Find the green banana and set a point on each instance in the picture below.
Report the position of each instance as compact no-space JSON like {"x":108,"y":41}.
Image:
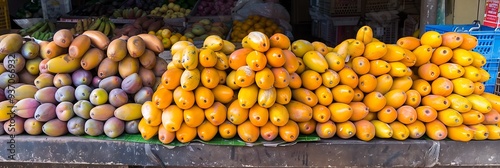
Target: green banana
{"x":96,"y":24}
{"x":107,"y":28}
{"x":35,"y":35}
{"x":101,"y":26}
{"x":52,"y":27}
{"x":79,"y":27}
{"x":73,"y":31}
{"x":85,"y":24}
{"x":35,"y":27}
{"x":113,"y":27}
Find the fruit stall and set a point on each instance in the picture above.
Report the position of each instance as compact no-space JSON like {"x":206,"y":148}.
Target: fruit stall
{"x":212,"y":83}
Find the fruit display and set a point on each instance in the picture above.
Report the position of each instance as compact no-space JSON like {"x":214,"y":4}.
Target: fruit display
{"x":42,"y":30}
{"x":168,"y":38}
{"x":361,"y":88}
{"x":143,"y":24}
{"x":205,"y":27}
{"x":129,"y":13}
{"x":102,"y":24}
{"x":170,"y":11}
{"x":80,"y":85}
{"x":254,"y":23}
{"x":214,"y":7}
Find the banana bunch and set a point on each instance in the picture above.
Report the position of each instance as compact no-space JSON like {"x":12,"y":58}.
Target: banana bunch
{"x":102,"y":24}
{"x":129,"y":13}
{"x":39,"y":30}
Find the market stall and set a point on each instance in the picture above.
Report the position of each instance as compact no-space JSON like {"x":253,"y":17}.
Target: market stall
{"x":189,"y":83}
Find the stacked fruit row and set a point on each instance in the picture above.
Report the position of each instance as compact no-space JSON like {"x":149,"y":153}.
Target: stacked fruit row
{"x":42,"y":30}
{"x":102,"y":24}
{"x":79,"y":85}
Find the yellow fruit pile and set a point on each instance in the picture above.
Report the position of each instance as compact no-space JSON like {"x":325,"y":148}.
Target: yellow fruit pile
{"x":168,"y":38}
{"x":254,"y":23}
{"x":361,"y":88}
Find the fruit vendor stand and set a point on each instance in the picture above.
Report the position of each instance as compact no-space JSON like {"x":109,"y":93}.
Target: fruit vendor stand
{"x":147,"y":86}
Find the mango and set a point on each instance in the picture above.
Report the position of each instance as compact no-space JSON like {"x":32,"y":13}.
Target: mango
{"x":98,"y":96}
{"x":148,"y":59}
{"x":45,"y":112}
{"x":118,"y":97}
{"x":95,"y":81}
{"x":11,"y":43}
{"x":289,"y":132}
{"x":128,"y":66}
{"x":136,"y":46}
{"x":207,"y":131}
{"x":2,"y":95}
{"x":14,"y":62}
{"x":110,"y":83}
{"x":248,"y":132}
{"x":147,"y":76}
{"x":44,"y":80}
{"x":114,"y":127}
{"x":480,"y":103}
{"x":62,"y":79}
{"x":76,"y":126}
{"x":164,"y":136}
{"x":82,"y":108}
{"x":24,"y":91}
{"x":185,"y":133}
{"x":42,"y":67}
{"x":147,"y":131}
{"x":55,"y":128}
{"x":46,"y":95}
{"x":33,"y":66}
{"x":131,"y":127}
{"x":26,"y":77}
{"x":14,"y":126}
{"x":315,"y":61}
{"x":117,"y":50}
{"x":102,"y":112}
{"x":160,"y":67}
{"x":8,"y":78}
{"x":30,"y":49}
{"x":82,"y":92}
{"x":106,"y":68}
{"x":64,"y":111}
{"x":70,"y":64}
{"x":65,"y":93}
{"x":26,"y":108}
{"x":143,"y":95}
{"x":92,"y":58}
{"x":94,"y":127}
{"x":128,"y":112}
{"x":33,"y":127}
{"x":132,"y":83}
{"x":81,"y":77}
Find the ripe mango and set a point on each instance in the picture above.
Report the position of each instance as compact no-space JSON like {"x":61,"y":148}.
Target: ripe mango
{"x":98,"y":96}
{"x":128,"y":66}
{"x":160,"y":67}
{"x":207,"y":131}
{"x":248,"y":132}
{"x":289,"y":132}
{"x":128,"y":112}
{"x":382,"y":130}
{"x":151,"y":113}
{"x":147,"y":132}
{"x":82,"y":108}
{"x":164,"y":136}
{"x":30,"y":50}
{"x":62,"y":79}
{"x":33,"y":66}
{"x":117,"y":50}
{"x":8,"y":78}
{"x":33,"y":127}
{"x":114,"y":127}
{"x":118,"y":97}
{"x":76,"y":126}
{"x":315,"y":61}
{"x":65,"y":93}
{"x":70,"y":64}
{"x":172,"y":118}
{"x":14,"y":126}
{"x":82,"y":92}
{"x":14,"y":62}
{"x":55,"y":128}
{"x":64,"y":111}
{"x":102,"y":112}
{"x":107,"y":68}
{"x":46,"y":95}
{"x":110,"y":83}
{"x":148,"y":59}
{"x":81,"y":77}
{"x":94,"y":127}
{"x":480,"y":103}
{"x":45,"y":112}
{"x":92,"y":58}
{"x":132,"y":83}
{"x":24,"y":91}
{"x":44,"y":80}
{"x":147,"y":76}
{"x":26,"y":108}
{"x":131,"y":127}
{"x":11,"y":43}
{"x":143,"y":95}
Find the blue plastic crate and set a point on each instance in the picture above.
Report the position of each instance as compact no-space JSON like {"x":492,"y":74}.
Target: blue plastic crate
{"x":488,"y":45}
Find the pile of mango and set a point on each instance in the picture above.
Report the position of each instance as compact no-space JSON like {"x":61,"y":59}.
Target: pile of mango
{"x":360,"y":88}
{"x":83,"y":85}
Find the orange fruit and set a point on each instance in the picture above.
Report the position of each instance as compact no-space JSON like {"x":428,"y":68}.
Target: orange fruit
{"x":275,"y":57}
{"x":473,"y":117}
{"x":429,"y":71}
{"x":360,"y":65}
{"x":279,"y":40}
{"x":325,"y":95}
{"x":462,"y":57}
{"x":431,"y":38}
{"x":478,"y":88}
{"x":365,"y":130}
{"x":485,"y":76}
{"x":305,"y":96}
{"x":321,"y":47}
{"x":481,"y":132}
{"x":360,"y":110}
{"x":398,"y":69}
{"x":231,"y":80}
{"x":367,"y":83}
{"x":326,"y":130}
{"x":266,"y":97}
{"x":413,"y":98}
{"x":300,"y":47}
{"x":472,"y":73}
{"x":321,"y":113}
{"x":222,"y":61}
{"x":222,"y":76}
{"x":194,"y":116}
{"x":342,"y":93}
{"x":258,"y":115}
{"x":302,"y":67}
{"x":422,"y":87}
{"x":207,"y":131}
{"x":370,"y":117}
{"x":312,"y":80}
{"x":358,"y":95}
{"x":410,"y":58}
{"x":292,"y":63}
{"x":459,"y":103}
{"x":341,"y":112}
{"x":330,"y":78}
{"x":171,"y":78}
{"x":494,"y":132}
{"x":335,"y":61}
{"x":426,"y":113}
{"x":407,"y":114}
{"x":435,"y":101}
{"x":248,"y":132}
{"x":384,"y":83}
{"x":216,"y":114}
{"x":281,"y":76}
{"x":183,"y":98}
{"x":268,"y":132}
{"x":256,"y":60}
{"x":441,"y":55}
{"x":375,"y":50}
{"x":162,"y":98}
{"x":356,"y":48}
{"x":289,"y":132}
{"x":395,"y":98}
{"x":244,"y":76}
{"x":204,"y":97}
{"x":346,"y":130}
{"x":298,"y":111}
{"x":248,"y":96}
{"x":403,"y":83}
{"x":238,"y":58}
{"x":450,"y":117}
{"x":417,"y":129}
{"x":463,"y":86}
{"x":451,"y":70}
{"x":479,"y":59}
{"x":400,"y":131}
{"x":307,"y":127}
{"x":423,"y":54}
{"x":436,"y":130}
{"x":452,"y":39}
{"x":379,"y":67}
{"x":264,"y":78}
{"x":207,"y":57}
{"x":295,"y":80}
{"x":394,"y":53}
{"x":442,"y":86}
{"x":492,"y":117}
{"x":258,"y":41}
{"x":469,"y":42}
{"x":283,"y":95}
{"x":460,"y":133}
{"x":408,"y":42}
{"x":388,"y":114}
{"x":185,"y":134}
{"x":210,"y":77}
{"x":348,"y":77}
{"x":236,"y":114}
{"x":375,"y":101}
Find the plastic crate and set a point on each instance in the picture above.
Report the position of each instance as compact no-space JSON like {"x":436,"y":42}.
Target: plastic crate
{"x":488,"y":45}
{"x":342,"y":7}
{"x":4,"y":17}
{"x":388,"y":32}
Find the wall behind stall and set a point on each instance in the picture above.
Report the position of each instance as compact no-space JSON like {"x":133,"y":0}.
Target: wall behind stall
{"x":465,"y":11}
